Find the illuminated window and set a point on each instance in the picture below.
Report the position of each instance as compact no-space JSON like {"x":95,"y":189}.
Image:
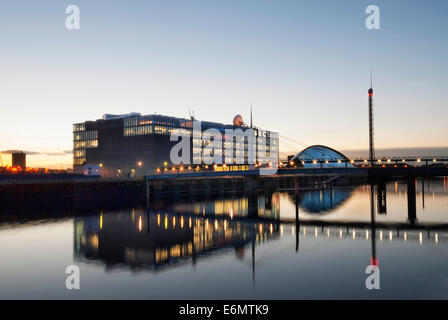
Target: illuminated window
{"x":81,"y":141}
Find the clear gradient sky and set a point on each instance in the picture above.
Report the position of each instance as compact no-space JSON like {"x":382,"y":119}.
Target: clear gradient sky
{"x":304,"y":65}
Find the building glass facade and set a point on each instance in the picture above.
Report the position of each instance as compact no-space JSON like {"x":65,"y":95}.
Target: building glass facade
{"x":82,"y":140}
{"x":322,"y":156}
{"x":136,"y":144}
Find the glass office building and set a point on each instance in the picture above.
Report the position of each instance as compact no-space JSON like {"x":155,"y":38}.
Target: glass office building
{"x":134,"y":144}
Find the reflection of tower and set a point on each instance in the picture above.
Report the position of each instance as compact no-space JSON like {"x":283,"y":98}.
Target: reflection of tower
{"x":331,"y":198}
{"x":382,"y":208}
{"x":423,"y":192}
{"x":296,"y":198}
{"x":253,"y":262}
{"x":252,"y":205}
{"x":374,"y":260}
{"x":412,"y":207}
{"x":268,"y":201}
{"x":371,"y":147}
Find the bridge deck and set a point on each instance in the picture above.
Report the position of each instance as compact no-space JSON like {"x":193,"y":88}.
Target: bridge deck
{"x":298,"y":172}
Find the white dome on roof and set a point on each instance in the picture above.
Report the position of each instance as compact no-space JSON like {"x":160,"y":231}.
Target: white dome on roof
{"x":238,"y":120}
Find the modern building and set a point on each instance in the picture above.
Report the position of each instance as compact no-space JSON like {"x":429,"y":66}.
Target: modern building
{"x":19,"y":160}
{"x":134,"y":145}
{"x":321,"y":156}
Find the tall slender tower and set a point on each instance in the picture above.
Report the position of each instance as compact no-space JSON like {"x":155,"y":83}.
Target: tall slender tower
{"x":371,"y":146}
{"x":251,"y":124}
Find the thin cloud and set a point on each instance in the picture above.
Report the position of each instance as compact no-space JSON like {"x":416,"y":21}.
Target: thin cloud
{"x":63,"y":153}
{"x":31,"y":153}
{"x":18,"y":151}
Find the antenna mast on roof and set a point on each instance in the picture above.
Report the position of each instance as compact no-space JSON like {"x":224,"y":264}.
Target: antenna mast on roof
{"x":191,"y":112}
{"x":251,"y":124}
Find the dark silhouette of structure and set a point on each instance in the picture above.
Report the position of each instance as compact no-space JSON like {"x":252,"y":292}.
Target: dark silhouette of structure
{"x":19,"y":160}
{"x":411,"y":197}
{"x":373,"y":259}
{"x":371,"y":146}
{"x":381,"y":197}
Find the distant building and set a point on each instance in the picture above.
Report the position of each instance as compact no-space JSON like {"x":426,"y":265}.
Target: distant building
{"x":134,"y":145}
{"x":321,"y":156}
{"x":19,"y":160}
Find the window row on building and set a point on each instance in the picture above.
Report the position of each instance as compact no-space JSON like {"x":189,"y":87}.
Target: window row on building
{"x":154,"y":129}
{"x":169,"y":122}
{"x":81,"y":141}
{"x":165,"y":130}
{"x":85,"y":135}
{"x":79,"y":127}
{"x":85,"y":144}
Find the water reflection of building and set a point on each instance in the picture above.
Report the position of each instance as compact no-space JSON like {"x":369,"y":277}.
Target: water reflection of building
{"x":321,"y":201}
{"x":258,"y":205}
{"x":139,"y":239}
{"x":393,"y":230}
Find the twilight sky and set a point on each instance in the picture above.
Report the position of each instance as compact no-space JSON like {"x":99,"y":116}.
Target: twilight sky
{"x":304,"y":65}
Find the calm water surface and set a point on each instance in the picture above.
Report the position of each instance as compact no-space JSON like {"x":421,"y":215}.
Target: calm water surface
{"x":239,"y":247}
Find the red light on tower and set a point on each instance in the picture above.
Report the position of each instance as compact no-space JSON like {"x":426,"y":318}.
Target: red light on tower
{"x":370,"y":92}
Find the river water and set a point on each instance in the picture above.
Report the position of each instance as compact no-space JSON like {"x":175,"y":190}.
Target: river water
{"x":238,"y":247}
